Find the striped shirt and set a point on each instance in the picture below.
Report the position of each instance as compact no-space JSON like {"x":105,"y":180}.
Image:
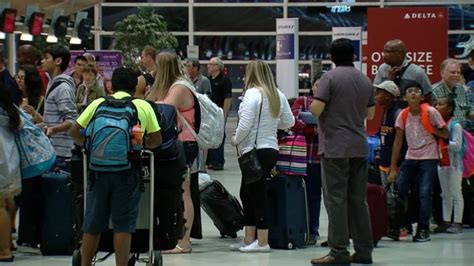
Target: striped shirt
{"x":59,"y":107}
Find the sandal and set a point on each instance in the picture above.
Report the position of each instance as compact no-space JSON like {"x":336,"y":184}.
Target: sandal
{"x":178,"y":250}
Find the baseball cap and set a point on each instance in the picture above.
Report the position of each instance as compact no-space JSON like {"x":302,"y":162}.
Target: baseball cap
{"x":389,"y":86}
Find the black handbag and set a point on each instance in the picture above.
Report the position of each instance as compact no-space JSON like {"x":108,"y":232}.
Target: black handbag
{"x":248,"y":162}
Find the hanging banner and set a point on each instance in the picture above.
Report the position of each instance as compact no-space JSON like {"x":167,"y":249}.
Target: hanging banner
{"x":355,"y":35}
{"x":286,"y":56}
{"x":423,"y":29}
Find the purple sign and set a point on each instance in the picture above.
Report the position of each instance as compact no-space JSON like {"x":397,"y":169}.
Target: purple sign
{"x":285,"y":46}
{"x":106,"y":62}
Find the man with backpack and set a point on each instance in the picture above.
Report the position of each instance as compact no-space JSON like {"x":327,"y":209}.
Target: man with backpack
{"x":146,"y":80}
{"x":421,"y":125}
{"x":59,"y":107}
{"x":109,"y":127}
{"x":399,"y":69}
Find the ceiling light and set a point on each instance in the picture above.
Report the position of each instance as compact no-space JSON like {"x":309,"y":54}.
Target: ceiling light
{"x":51,"y":39}
{"x":26,"y":37}
{"x":75,"y":40}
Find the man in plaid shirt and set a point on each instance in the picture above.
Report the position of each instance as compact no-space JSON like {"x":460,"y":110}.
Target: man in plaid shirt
{"x":450,"y":85}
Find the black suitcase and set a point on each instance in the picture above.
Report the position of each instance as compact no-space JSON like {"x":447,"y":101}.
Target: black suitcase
{"x":29,"y":226}
{"x":57,"y":237}
{"x":288,"y":212}
{"x":224,"y":209}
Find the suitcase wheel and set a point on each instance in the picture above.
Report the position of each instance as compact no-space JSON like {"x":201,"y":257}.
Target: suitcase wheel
{"x":158,"y":259}
{"x":76,"y":257}
{"x":290,"y":245}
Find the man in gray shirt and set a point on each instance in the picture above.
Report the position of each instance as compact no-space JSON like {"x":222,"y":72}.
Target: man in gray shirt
{"x":344,"y":99}
{"x":201,"y":83}
{"x":401,"y":71}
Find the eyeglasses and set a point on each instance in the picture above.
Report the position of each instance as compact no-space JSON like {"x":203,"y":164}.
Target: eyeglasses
{"x":20,"y":77}
{"x":415,"y":91}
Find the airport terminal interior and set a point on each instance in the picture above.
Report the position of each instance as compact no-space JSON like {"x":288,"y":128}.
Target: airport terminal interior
{"x":239,"y":31}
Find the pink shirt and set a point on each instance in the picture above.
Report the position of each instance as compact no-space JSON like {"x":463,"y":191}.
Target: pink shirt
{"x":188,"y":114}
{"x":421,"y":144}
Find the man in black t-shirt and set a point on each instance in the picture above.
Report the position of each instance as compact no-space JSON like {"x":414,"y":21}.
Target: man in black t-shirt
{"x":221,"y":94}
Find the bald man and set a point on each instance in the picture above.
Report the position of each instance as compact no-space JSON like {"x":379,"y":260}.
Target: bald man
{"x":398,"y":69}
{"x":29,"y":55}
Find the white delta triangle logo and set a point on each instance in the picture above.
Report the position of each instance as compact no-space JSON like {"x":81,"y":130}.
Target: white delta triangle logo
{"x":419,"y":15}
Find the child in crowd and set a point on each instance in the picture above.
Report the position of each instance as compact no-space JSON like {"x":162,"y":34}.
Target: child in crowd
{"x":313,"y":170}
{"x":385,"y":94}
{"x":90,"y":89}
{"x":450,"y":176}
{"x":421,"y":124}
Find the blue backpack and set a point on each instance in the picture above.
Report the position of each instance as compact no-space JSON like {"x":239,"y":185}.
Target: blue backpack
{"x":109,"y":135}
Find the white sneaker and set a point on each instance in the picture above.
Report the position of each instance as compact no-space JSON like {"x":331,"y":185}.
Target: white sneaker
{"x":236,"y":246}
{"x":255,"y":247}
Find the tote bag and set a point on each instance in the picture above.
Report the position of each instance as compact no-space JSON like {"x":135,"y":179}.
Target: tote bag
{"x":292,"y":158}
{"x":37,"y":154}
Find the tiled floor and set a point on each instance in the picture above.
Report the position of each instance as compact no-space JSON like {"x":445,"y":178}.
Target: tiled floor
{"x":444,"y":249}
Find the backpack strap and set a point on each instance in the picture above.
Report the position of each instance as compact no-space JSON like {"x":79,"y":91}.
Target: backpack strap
{"x":52,"y":88}
{"x":425,"y":118}
{"x":197,"y":108}
{"x":149,"y":79}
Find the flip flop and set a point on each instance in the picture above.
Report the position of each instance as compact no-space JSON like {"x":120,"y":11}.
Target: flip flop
{"x":178,"y":250}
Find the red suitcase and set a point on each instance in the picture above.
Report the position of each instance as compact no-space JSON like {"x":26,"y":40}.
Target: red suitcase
{"x":376,"y":199}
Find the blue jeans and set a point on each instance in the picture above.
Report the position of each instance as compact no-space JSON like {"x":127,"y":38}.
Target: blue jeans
{"x":420,"y":173}
{"x":313,"y":193}
{"x":216,"y":156}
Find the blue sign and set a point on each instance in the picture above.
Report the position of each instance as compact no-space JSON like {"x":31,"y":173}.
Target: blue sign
{"x":285,"y":46}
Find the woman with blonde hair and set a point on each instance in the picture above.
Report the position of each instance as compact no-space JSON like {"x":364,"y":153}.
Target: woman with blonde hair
{"x":263,"y":110}
{"x":172,"y":87}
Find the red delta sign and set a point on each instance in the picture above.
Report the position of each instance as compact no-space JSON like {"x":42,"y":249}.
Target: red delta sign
{"x":424,"y":31}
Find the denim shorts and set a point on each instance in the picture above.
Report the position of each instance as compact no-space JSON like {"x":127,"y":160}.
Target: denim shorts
{"x":112,"y":195}
{"x":191,"y":151}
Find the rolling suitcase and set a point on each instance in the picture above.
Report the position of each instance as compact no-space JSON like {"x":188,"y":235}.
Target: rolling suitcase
{"x":376,"y":199}
{"x":57,"y":236}
{"x":224,"y":209}
{"x":289,"y":226}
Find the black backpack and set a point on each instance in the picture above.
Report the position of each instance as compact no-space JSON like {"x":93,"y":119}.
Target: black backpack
{"x":166,"y":116}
